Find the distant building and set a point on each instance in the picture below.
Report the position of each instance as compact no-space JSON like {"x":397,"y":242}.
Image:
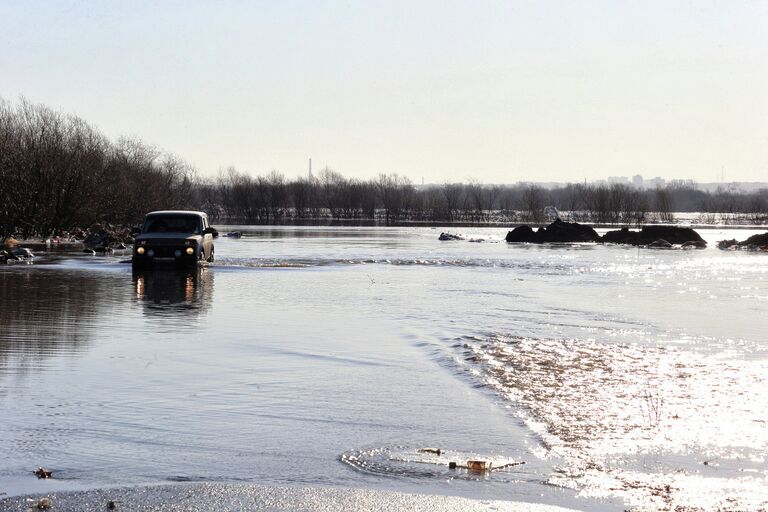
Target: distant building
{"x":655,"y":183}
{"x":637,"y":181}
{"x":622,"y":180}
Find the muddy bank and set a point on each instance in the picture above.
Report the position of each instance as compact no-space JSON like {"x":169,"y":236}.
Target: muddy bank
{"x":228,"y":497}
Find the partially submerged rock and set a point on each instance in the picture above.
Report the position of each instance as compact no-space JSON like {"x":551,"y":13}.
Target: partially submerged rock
{"x":569,"y":232}
{"x":660,"y":244}
{"x":41,"y":472}
{"x":754,"y":243}
{"x":520,"y":234}
{"x":557,"y":232}
{"x":234,"y":234}
{"x":674,"y":235}
{"x":450,"y":236}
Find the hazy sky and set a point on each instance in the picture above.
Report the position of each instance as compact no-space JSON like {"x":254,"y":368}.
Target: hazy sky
{"x":499,"y":91}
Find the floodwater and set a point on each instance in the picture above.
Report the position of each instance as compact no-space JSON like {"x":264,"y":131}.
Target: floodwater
{"x":594,"y":377}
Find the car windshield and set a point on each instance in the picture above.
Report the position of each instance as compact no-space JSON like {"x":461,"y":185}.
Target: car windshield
{"x":173,"y":224}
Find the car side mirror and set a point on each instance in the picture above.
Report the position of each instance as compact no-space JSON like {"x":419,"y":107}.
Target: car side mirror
{"x":211,"y":231}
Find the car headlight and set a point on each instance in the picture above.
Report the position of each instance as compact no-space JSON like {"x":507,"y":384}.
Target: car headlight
{"x":190,"y":250}
{"x":139,"y":250}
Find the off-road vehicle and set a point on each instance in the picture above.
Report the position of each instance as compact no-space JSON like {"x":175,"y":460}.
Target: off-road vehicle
{"x":176,"y":237}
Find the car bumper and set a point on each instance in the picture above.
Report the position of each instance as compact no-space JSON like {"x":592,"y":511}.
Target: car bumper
{"x":183,"y":260}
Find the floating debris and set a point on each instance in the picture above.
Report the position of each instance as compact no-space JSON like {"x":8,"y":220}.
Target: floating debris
{"x":424,"y":462}
{"x":41,"y":472}
{"x":112,"y":505}
{"x":479,"y":465}
{"x":43,"y":504}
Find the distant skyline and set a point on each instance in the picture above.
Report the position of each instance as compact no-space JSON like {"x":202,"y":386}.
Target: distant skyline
{"x":440,"y":90}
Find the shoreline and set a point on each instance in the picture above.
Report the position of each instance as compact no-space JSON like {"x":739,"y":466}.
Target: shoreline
{"x":236,"y":497}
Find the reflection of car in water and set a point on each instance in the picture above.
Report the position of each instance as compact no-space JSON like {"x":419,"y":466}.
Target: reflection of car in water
{"x":174,"y":236}
{"x":189,"y":289}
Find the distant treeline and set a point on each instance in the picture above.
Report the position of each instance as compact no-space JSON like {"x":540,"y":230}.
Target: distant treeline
{"x":393,"y":199}
{"x":57,"y":173}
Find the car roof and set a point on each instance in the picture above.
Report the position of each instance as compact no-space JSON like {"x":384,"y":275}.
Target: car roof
{"x":177,"y":212}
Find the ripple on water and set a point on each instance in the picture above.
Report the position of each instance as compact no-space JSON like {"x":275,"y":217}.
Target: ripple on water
{"x":413,"y":462}
{"x":659,"y":427}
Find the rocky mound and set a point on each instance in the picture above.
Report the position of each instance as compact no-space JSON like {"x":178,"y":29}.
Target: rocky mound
{"x":557,"y":232}
{"x":755,"y":242}
{"x":648,"y":235}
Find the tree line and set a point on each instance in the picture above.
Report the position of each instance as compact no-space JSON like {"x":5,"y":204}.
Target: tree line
{"x":57,"y":173}
{"x":392,"y":199}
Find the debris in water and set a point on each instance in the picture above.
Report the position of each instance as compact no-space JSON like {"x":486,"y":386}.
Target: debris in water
{"x":112,"y":505}
{"x":43,"y":504}
{"x":41,"y":472}
{"x":479,"y":465}
{"x":436,"y":451}
{"x":451,"y":465}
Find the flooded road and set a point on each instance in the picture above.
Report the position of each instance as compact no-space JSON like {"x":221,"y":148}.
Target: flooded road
{"x":328,"y":356}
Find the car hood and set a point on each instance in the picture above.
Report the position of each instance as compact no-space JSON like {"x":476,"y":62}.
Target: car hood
{"x":167,"y":236}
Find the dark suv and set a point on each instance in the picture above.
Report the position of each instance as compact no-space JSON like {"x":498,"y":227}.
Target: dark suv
{"x":174,"y":236}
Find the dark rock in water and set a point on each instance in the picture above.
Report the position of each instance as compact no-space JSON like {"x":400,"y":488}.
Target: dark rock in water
{"x":520,"y":234}
{"x":448,"y":236}
{"x":103,"y":250}
{"x":725,"y":244}
{"x":558,"y":231}
{"x":41,"y":472}
{"x":234,"y":234}
{"x":5,"y":256}
{"x":477,"y":240}
{"x":755,"y":240}
{"x":660,"y":244}
{"x":753,"y":243}
{"x":675,"y":235}
{"x":622,"y":236}
{"x":694,"y":245}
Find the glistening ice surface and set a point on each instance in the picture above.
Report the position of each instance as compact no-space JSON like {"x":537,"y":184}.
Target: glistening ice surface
{"x":328,"y":356}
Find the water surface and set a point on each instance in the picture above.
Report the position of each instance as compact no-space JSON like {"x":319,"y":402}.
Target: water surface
{"x":328,"y":356}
